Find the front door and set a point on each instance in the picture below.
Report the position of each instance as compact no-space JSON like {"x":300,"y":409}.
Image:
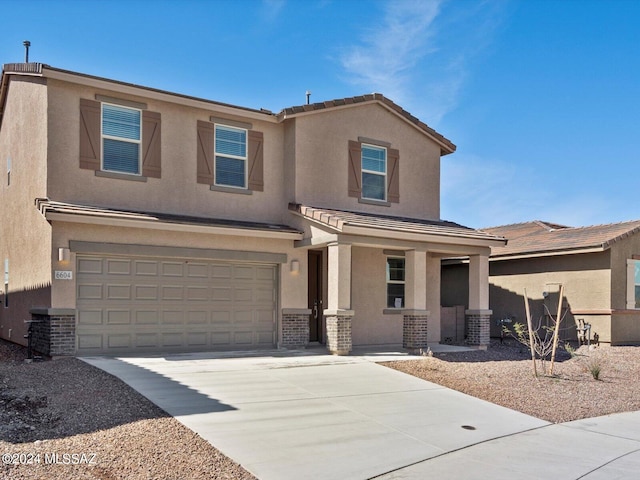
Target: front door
{"x":315,"y":296}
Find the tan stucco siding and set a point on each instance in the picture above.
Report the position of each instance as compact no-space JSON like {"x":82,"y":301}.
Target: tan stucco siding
{"x":25,"y":240}
{"x":177,"y":190}
{"x":621,"y":251}
{"x":586,"y":281}
{"x":321,"y":153}
{"x":370,"y":326}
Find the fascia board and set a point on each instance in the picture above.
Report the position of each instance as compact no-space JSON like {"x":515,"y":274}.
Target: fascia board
{"x":556,"y":253}
{"x":176,"y":227}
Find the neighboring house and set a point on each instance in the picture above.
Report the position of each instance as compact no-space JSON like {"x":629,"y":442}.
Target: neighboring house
{"x":137,"y":220}
{"x":599,"y":267}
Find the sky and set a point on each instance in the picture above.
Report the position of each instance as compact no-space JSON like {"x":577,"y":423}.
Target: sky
{"x":541,"y":97}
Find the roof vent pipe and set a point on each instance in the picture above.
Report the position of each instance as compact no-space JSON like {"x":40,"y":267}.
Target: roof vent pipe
{"x":308,"y":94}
{"x":26,"y":44}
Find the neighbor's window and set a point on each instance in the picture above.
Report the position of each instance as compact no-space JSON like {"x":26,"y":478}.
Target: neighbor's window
{"x":121,"y":133}
{"x":636,"y":282}
{"x":374,"y":172}
{"x":231,"y":157}
{"x":6,"y":283}
{"x":395,"y":282}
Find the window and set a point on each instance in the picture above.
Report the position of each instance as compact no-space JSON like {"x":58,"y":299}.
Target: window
{"x":395,"y":282}
{"x":230,"y":157}
{"x":121,"y":139}
{"x":374,"y":173}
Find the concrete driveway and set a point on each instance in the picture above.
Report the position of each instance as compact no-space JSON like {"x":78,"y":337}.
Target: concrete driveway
{"x":300,"y":415}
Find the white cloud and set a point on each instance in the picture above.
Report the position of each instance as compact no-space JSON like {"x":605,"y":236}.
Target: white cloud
{"x":418,"y":54}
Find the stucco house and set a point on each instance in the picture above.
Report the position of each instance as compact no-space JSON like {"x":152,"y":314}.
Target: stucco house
{"x":599,"y":267}
{"x":138,"y":220}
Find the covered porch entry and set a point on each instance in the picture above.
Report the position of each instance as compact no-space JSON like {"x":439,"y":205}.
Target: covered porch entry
{"x":375,"y":280}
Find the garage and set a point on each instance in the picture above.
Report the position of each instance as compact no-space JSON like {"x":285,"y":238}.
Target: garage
{"x":133,"y":304}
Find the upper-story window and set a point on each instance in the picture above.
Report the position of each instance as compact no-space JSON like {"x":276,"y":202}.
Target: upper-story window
{"x":374,"y":173}
{"x":121,"y":139}
{"x":230,"y":157}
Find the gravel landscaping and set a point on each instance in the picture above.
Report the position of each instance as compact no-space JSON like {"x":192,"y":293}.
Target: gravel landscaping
{"x":65,"y":419}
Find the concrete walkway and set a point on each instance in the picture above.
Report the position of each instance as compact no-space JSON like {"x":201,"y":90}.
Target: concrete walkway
{"x":292,"y":415}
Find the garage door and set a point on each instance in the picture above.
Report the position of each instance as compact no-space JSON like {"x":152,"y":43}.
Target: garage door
{"x":137,"y":305}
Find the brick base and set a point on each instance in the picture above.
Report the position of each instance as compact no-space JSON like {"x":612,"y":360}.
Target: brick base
{"x":479,"y":324}
{"x":295,"y":328}
{"x":339,"y":331}
{"x":53,"y":331}
{"x":414,"y":329}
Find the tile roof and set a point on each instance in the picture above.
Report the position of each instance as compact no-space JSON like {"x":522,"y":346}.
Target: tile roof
{"x":47,"y":206}
{"x":449,"y":147}
{"x":541,"y":238}
{"x":340,"y":219}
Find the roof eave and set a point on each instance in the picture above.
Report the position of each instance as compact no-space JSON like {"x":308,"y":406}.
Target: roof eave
{"x":550,"y":253}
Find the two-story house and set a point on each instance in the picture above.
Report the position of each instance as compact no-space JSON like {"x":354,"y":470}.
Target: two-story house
{"x":139,"y":220}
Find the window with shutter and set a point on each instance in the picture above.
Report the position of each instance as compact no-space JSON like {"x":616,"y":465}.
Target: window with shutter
{"x":230,"y":157}
{"x":121,"y":138}
{"x":373,"y":171}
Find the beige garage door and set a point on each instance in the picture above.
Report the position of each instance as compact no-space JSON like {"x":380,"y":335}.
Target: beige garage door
{"x":137,"y":305}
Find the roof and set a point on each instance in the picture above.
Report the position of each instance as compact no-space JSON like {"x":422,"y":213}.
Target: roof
{"x":41,"y":69}
{"x":537,"y":238}
{"x":446,"y":145}
{"x":53,"y":210}
{"x":349,"y":222}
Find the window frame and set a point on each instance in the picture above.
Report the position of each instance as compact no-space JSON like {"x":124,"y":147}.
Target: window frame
{"x":389,"y":281}
{"x":363,"y":146}
{"x":244,"y":158}
{"x":103,"y":136}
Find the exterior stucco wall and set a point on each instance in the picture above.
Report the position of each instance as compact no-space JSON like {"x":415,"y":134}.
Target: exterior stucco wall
{"x":370,"y":326}
{"x":177,"y":190}
{"x":625,"y":326}
{"x":25,"y":239}
{"x":321,"y":152}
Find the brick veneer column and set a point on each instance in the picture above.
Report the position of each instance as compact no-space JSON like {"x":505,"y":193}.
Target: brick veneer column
{"x":414,"y":329}
{"x":295,"y":327}
{"x":53,"y":331}
{"x":479,"y":323}
{"x":339,"y":331}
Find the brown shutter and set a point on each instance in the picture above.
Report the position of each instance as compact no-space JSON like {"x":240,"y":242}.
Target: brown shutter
{"x":355,"y":169}
{"x":90,"y":134}
{"x":393,"y":175}
{"x":256,"y":161}
{"x":151,"y":144}
{"x":206,"y":135}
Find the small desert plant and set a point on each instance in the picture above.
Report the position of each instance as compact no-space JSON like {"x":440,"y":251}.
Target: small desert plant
{"x":570,"y":350}
{"x":595,"y":368}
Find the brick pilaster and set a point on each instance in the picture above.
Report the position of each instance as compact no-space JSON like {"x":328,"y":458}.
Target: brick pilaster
{"x":53,"y":331}
{"x":414,"y":329}
{"x":295,"y":328}
{"x":479,"y":324}
{"x":339,"y":331}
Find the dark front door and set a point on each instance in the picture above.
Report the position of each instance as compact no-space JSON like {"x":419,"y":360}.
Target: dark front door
{"x":315,"y":296}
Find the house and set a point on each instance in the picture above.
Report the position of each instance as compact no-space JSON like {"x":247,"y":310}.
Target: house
{"x":598,"y":266}
{"x":137,"y":220}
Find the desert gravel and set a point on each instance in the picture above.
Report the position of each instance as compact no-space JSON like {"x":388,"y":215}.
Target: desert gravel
{"x":51,"y":410}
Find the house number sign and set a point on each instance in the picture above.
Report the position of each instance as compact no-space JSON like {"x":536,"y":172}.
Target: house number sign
{"x":63,"y":275}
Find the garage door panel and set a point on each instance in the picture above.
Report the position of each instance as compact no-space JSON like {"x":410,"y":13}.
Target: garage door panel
{"x":128,"y":304}
{"x":89,"y":317}
{"x":146,"y":268}
{"x":118,"y":292}
{"x":118,"y":317}
{"x":147,"y":317}
{"x":118,"y":267}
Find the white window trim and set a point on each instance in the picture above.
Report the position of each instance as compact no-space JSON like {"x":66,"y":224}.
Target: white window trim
{"x":119,"y":139}
{"x":631,"y":284}
{"x":372,"y":172}
{"x":394,"y":282}
{"x":226,"y":155}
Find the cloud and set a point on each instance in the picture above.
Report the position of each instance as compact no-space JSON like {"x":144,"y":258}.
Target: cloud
{"x":384,"y":59}
{"x":272,"y":8}
{"x":418,"y":53}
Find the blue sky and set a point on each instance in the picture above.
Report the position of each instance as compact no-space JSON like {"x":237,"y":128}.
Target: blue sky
{"x":541,"y":97}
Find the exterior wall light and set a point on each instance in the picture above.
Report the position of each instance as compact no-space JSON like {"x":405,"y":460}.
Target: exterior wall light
{"x":64,"y":254}
{"x":295,"y":267}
